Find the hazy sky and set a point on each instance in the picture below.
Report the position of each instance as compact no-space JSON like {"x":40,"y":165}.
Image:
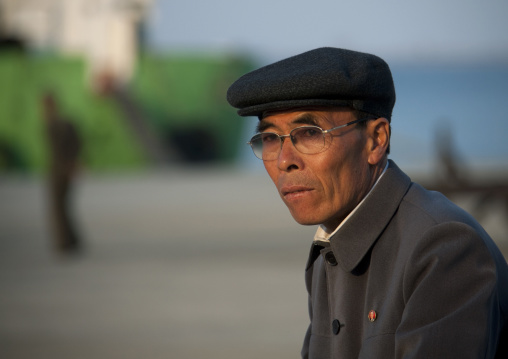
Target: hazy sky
{"x":398,"y":31}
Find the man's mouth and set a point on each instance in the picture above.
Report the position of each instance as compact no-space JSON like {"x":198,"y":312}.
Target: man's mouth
{"x":294,"y":192}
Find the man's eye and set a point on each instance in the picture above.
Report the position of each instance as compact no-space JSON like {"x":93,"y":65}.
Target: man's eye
{"x":309,"y":132}
{"x":267,"y":138}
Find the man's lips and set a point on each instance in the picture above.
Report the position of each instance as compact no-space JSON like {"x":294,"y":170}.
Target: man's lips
{"x":294,"y":191}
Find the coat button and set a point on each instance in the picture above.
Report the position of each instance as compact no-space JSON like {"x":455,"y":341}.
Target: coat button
{"x":330,"y":259}
{"x":336,"y":326}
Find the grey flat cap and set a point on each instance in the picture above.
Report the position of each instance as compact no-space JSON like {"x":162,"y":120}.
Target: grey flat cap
{"x":328,"y":77}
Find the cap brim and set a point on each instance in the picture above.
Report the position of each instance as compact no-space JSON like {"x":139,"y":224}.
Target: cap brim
{"x":259,"y":110}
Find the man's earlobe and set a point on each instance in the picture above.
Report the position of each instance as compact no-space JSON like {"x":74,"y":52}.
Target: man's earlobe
{"x":379,"y":130}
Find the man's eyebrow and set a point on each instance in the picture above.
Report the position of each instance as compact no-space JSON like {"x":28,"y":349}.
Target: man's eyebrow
{"x":263,"y":125}
{"x":304,"y":119}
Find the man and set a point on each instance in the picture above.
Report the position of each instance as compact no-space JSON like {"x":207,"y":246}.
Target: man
{"x":395,"y":271}
{"x":64,"y":147}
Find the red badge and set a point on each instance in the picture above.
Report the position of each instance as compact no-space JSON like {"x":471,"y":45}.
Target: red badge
{"x":372,"y":315}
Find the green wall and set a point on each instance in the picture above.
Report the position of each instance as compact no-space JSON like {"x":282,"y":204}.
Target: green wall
{"x":177,"y":94}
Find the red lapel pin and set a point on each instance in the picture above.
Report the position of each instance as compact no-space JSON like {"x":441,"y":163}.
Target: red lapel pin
{"x":372,"y":315}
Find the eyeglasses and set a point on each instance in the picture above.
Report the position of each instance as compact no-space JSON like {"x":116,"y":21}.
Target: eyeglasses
{"x":306,"y":139}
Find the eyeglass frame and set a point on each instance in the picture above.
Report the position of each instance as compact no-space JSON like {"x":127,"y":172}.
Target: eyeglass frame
{"x":323,"y":132}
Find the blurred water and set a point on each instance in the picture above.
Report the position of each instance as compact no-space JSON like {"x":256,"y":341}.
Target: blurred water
{"x":471,"y":101}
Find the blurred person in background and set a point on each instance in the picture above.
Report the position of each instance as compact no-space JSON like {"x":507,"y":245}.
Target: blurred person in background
{"x":64,"y":147}
{"x":394,"y":270}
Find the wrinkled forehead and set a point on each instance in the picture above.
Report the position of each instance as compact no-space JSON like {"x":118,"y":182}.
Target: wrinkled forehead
{"x":304,"y":116}
{"x":269,"y":113}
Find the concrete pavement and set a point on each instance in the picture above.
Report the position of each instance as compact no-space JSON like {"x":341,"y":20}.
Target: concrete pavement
{"x":177,"y":264}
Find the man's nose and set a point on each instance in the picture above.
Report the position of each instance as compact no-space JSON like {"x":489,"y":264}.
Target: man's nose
{"x":289,"y":158}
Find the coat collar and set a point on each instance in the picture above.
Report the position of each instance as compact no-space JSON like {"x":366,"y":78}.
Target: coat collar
{"x":353,"y":241}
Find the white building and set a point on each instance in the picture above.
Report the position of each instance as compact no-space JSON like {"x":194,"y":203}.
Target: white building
{"x":104,"y":32}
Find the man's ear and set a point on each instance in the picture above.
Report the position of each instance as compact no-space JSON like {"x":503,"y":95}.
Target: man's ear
{"x":379,"y":139}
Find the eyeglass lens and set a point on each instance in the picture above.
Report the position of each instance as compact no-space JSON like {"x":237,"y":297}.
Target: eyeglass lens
{"x":307,"y":139}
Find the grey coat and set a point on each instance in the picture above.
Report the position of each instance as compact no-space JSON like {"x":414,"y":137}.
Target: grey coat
{"x":432,"y":277}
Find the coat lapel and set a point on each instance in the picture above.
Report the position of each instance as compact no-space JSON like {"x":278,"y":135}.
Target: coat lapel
{"x":354,"y":240}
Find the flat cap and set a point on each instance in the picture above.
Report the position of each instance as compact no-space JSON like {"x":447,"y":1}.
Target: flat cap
{"x":328,"y":77}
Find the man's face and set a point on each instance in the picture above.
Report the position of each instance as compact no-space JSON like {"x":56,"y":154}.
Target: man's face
{"x":321,"y":188}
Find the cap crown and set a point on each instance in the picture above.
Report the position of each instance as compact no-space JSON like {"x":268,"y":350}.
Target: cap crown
{"x":322,"y":77}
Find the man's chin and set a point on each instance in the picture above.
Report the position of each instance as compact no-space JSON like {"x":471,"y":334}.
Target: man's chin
{"x":305,"y":220}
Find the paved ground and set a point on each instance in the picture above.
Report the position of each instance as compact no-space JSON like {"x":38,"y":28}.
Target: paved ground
{"x":178,"y":264}
{"x":204,"y":264}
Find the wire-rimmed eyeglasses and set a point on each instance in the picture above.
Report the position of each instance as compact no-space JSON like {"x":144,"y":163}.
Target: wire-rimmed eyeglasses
{"x":306,"y":139}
